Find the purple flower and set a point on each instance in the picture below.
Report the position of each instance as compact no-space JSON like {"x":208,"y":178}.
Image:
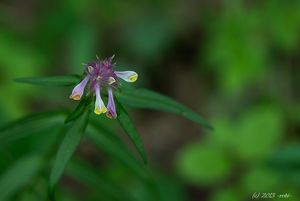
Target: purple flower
{"x":111,"y":108}
{"x":100,"y":75}
{"x":79,"y":89}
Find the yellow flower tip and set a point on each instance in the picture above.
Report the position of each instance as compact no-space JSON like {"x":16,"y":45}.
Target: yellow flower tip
{"x":99,"y":110}
{"x":75,"y":97}
{"x":133,"y":78}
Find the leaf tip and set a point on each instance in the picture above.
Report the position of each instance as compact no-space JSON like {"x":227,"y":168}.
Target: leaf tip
{"x":210,"y":127}
{"x":18,"y":79}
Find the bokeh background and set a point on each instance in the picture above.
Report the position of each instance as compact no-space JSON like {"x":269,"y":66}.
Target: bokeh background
{"x":234,"y":62}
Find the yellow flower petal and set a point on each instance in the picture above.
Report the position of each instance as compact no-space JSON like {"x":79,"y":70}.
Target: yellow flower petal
{"x":100,"y":110}
{"x":133,"y":78}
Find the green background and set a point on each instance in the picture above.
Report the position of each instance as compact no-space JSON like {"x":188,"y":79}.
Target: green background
{"x":234,"y":62}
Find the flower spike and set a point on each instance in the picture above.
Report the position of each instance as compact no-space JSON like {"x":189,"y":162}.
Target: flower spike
{"x":100,"y":74}
{"x":99,"y":105}
{"x":128,"y":76}
{"x":79,"y":89}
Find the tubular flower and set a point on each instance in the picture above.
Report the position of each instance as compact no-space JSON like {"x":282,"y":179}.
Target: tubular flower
{"x":111,"y":108}
{"x":99,"y":105}
{"x":100,"y":75}
{"x":79,"y":89}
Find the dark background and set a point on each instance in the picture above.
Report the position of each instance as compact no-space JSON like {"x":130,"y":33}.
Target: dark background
{"x":234,"y":62}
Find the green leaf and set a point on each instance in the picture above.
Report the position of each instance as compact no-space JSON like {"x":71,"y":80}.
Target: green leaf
{"x":78,"y":110}
{"x":19,"y":175}
{"x":104,"y":141}
{"x":203,"y":164}
{"x":67,"y":80}
{"x":260,"y":179}
{"x":142,"y":98}
{"x":286,"y":162}
{"x":29,"y":125}
{"x":130,"y":130}
{"x":106,"y":130}
{"x":228,"y":193}
{"x":67,"y":148}
{"x":266,"y":118}
{"x":93,"y":178}
{"x":287,"y":158}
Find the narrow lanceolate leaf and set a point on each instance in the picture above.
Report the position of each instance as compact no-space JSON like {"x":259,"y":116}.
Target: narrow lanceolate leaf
{"x":29,"y":125}
{"x":78,"y":110}
{"x":67,"y":80}
{"x":130,"y":130}
{"x":142,"y":98}
{"x":67,"y":148}
{"x":107,"y":143}
{"x":89,"y":176}
{"x":19,"y":175}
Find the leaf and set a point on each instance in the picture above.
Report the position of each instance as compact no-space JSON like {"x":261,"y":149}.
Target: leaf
{"x":19,"y":175}
{"x":106,"y":130}
{"x":286,"y":162}
{"x":228,"y":193}
{"x":91,"y":177}
{"x":266,"y":118}
{"x":260,"y":179}
{"x":78,"y":110}
{"x":67,"y":80}
{"x":130,"y":130}
{"x":287,"y":158}
{"x":203,"y":164}
{"x":67,"y":148}
{"x":29,"y":125}
{"x":143,"y":98}
{"x":107,"y":144}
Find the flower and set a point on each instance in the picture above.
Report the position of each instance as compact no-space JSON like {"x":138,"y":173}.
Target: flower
{"x":79,"y":89}
{"x":111,"y":108}
{"x":99,"y":104}
{"x":100,"y":75}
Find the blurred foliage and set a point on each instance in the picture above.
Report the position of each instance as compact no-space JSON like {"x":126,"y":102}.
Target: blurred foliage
{"x":244,"y":58}
{"x":204,"y":164}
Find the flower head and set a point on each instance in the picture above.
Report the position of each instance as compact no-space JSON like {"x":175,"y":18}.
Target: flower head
{"x":100,"y":75}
